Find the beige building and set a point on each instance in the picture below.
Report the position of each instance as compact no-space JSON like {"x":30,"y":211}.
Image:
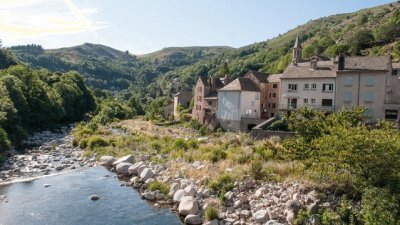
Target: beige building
{"x":271,"y":105}
{"x":308,"y":84}
{"x":371,"y":82}
{"x":269,"y":92}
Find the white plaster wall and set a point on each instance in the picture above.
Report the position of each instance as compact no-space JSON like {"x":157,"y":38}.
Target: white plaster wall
{"x":228,"y":105}
{"x":249,"y":104}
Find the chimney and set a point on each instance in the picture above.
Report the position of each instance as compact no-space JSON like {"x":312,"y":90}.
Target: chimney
{"x":314,"y":63}
{"x":341,"y":62}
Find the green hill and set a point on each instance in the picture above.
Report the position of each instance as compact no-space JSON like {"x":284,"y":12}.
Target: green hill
{"x":373,"y":31}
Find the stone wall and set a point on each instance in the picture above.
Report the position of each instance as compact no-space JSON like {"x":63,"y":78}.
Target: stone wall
{"x":264,"y":134}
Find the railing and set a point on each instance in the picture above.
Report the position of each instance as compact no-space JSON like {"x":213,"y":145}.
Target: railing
{"x":392,"y":101}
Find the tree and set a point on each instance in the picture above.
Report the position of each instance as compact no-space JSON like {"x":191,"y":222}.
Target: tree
{"x":224,"y":69}
{"x":390,"y":30}
{"x":360,"y":40}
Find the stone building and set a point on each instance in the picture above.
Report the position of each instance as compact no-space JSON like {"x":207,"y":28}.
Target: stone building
{"x":182,"y":98}
{"x":206,"y":100}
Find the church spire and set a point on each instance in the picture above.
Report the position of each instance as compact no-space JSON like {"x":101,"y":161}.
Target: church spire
{"x":297,"y":51}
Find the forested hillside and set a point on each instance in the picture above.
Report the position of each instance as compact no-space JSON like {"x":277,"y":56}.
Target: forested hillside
{"x":111,"y":69}
{"x":374,"y":31}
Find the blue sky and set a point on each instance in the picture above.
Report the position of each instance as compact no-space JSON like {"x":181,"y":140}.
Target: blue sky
{"x":149,"y":25}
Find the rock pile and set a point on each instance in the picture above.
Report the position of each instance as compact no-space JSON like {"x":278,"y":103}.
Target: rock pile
{"x":249,"y":202}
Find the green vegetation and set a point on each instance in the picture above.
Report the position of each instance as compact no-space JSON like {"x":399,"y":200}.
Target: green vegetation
{"x":211,"y":213}
{"x":38,"y":99}
{"x":222,"y":185}
{"x":157,"y":185}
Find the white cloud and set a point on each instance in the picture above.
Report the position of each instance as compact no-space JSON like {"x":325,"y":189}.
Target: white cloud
{"x":26,"y":19}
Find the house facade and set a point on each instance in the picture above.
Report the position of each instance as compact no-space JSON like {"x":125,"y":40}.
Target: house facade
{"x":239,"y":105}
{"x":271,"y":105}
{"x":269,"y":86}
{"x":182,"y":98}
{"x":370,"y":82}
{"x":205,"y":100}
{"x":308,"y":84}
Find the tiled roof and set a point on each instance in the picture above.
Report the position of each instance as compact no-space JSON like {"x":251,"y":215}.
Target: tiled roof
{"x":262,"y":77}
{"x":274,"y":78}
{"x":303,"y":70}
{"x":241,"y":84}
{"x":218,"y":83}
{"x":367,"y":63}
{"x":184,"y":91}
{"x":212,"y":95}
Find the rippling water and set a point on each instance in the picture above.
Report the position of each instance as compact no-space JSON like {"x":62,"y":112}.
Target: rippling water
{"x":66,"y":202}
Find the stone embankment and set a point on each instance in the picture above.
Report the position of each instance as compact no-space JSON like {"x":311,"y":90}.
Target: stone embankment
{"x":249,"y":202}
{"x":44,"y":153}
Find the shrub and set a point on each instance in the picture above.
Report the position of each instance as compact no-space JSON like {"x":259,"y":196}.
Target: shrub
{"x":211,"y":213}
{"x":217,"y":154}
{"x":223,"y":184}
{"x":83,"y":143}
{"x":256,"y":170}
{"x":379,"y":207}
{"x":181,"y":143}
{"x":97,"y":141}
{"x":4,"y":142}
{"x":157,"y":185}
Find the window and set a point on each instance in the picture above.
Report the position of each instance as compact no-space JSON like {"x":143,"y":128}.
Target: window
{"x":306,"y":86}
{"x":257,"y":97}
{"x":252,"y":103}
{"x":327,"y":87}
{"x":347,"y":96}
{"x":313,"y":101}
{"x":368,"y":96}
{"x":274,"y":95}
{"x":305,"y":101}
{"x":391,"y":114}
{"x":348,"y":80}
{"x":275,"y":86}
{"x":369,"y":80}
{"x":327,"y":102}
{"x":313,"y":86}
{"x":270,"y":94}
{"x":368,"y":113}
{"x":273,"y":105}
{"x":272,"y":114}
{"x":292,"y":87}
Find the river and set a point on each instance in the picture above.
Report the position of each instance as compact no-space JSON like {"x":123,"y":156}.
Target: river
{"x":67,"y":202}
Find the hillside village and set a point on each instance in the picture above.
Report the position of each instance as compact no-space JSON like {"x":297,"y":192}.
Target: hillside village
{"x":327,"y":85}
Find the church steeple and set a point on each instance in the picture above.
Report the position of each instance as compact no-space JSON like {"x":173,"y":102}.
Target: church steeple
{"x":297,"y":51}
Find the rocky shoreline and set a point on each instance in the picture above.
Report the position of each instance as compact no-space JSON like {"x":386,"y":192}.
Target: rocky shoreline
{"x":44,"y":153}
{"x":249,"y":202}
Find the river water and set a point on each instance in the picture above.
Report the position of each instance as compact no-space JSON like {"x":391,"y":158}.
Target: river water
{"x":67,"y":202}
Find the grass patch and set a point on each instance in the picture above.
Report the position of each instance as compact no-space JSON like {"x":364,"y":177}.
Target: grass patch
{"x":211,"y":213}
{"x":157,"y":185}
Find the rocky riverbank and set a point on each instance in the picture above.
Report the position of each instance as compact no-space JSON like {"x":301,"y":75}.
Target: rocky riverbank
{"x":44,"y":153}
{"x":249,"y":202}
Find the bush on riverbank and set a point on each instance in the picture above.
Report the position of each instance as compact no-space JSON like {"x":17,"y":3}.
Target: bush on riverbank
{"x":157,"y":185}
{"x":211,"y":213}
{"x":4,"y":142}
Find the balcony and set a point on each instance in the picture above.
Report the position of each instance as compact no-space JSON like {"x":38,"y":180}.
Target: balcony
{"x":322,"y":108}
